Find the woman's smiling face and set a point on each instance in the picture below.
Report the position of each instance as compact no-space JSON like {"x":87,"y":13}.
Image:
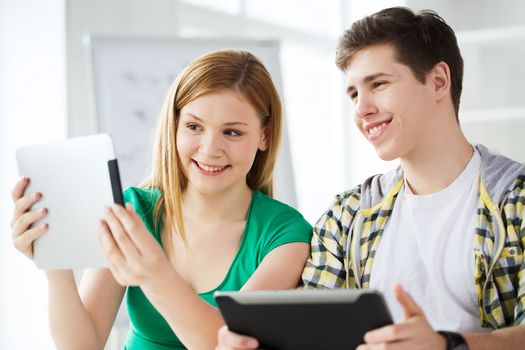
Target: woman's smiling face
{"x":218,"y":136}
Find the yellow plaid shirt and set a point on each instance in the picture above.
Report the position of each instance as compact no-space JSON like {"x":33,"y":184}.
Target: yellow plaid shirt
{"x":346,"y":238}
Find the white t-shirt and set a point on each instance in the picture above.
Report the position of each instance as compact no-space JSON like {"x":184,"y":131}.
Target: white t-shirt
{"x":428,"y":247}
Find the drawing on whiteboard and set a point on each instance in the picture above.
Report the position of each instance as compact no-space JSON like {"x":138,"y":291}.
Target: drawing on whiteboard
{"x":130,"y":78}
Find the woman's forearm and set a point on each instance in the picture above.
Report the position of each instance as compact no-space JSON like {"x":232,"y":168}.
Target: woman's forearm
{"x":194,"y":321}
{"x":70,"y":324}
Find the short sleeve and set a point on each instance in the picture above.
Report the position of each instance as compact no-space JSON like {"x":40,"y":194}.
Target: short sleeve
{"x":326,"y":266}
{"x":143,"y":202}
{"x":287,"y":227}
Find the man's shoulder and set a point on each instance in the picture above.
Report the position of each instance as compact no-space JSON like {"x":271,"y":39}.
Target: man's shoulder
{"x":516,"y":194}
{"x":352,"y":195}
{"x":500,"y":175}
{"x":371,"y":191}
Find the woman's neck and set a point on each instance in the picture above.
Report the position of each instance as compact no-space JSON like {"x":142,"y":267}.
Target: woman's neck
{"x":230,"y":204}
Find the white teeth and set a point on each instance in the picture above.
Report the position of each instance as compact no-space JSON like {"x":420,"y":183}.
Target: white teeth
{"x":210,"y":168}
{"x":376,"y":129}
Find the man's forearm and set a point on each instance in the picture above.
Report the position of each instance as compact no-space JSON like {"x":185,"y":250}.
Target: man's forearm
{"x":512,"y":338}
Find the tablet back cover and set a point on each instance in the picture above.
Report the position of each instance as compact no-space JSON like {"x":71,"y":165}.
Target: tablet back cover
{"x":74,"y":177}
{"x":322,"y":325}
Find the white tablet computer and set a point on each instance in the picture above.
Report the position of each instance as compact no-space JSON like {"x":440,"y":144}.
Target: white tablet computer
{"x":304,"y":319}
{"x":78,"y":178}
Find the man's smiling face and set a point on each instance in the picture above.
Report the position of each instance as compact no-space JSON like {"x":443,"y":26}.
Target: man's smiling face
{"x":391,"y":104}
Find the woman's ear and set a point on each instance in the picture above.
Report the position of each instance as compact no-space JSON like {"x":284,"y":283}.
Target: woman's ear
{"x":263,"y":144}
{"x":440,"y":79}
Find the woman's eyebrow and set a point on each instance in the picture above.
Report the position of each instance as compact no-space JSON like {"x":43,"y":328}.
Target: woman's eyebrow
{"x":227,"y":124}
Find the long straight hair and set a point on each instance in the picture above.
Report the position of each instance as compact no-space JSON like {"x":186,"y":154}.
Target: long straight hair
{"x":221,"y":70}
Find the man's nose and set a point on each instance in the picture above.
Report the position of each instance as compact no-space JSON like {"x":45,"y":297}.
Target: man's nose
{"x":365,"y":106}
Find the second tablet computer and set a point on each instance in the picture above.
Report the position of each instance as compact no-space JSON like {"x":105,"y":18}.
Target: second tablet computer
{"x":304,"y":319}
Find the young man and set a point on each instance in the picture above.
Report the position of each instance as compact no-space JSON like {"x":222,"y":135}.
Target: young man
{"x":448,"y":224}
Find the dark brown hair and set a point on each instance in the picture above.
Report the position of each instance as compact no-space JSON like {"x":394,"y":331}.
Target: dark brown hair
{"x":421,"y":40}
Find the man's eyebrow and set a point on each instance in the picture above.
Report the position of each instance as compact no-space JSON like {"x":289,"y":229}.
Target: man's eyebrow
{"x":227,"y":124}
{"x":235,"y":123}
{"x":368,"y":79}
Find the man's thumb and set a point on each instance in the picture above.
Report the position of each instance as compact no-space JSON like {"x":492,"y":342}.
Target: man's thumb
{"x":410,"y":307}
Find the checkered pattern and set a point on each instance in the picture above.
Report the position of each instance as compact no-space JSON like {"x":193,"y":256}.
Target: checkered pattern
{"x":346,"y":239}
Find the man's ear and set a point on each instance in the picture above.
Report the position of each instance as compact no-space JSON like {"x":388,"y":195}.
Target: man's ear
{"x":440,"y":79}
{"x":263,"y":144}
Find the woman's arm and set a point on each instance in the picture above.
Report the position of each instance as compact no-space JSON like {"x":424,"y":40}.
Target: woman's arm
{"x":75,"y":322}
{"x":137,"y":259}
{"x":195,"y":322}
{"x":82,"y":321}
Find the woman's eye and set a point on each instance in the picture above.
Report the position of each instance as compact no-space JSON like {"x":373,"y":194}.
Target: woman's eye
{"x":192,"y":127}
{"x":231,"y":132}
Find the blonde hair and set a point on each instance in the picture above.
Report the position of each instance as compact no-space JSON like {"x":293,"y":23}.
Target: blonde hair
{"x":235,"y":70}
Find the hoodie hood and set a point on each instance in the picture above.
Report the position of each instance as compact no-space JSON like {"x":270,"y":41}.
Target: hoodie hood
{"x":498,"y":173}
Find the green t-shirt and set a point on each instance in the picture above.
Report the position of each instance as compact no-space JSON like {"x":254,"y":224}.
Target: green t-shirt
{"x":269,"y":224}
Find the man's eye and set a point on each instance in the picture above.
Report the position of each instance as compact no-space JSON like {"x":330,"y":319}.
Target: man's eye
{"x":378,"y":84}
{"x":231,"y":132}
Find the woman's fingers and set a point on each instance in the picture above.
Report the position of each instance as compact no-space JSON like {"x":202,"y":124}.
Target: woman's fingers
{"x":121,"y":237}
{"x":18,"y":191}
{"x":230,"y":340}
{"x":23,"y":235}
{"x":24,"y":242}
{"x":23,"y":204}
{"x":116,"y":259}
{"x":23,"y":223}
{"x":135,"y":227}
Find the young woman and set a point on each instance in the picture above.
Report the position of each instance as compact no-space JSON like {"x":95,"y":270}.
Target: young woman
{"x":203,"y":221}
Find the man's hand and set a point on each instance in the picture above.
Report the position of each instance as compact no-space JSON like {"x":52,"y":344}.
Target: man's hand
{"x":413,"y":333}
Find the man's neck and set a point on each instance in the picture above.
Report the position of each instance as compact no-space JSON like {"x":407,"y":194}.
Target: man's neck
{"x":437,"y":163}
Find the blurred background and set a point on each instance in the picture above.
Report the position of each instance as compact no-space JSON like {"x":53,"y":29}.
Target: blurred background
{"x":46,"y":93}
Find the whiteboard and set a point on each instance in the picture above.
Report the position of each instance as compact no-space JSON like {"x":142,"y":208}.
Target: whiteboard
{"x":129,"y":81}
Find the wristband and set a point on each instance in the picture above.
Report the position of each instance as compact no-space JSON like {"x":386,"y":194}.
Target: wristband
{"x":455,"y":341}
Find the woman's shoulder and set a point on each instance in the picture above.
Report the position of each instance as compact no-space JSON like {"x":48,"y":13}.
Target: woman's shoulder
{"x":276,"y":223}
{"x":271,"y":209}
{"x":147,"y":193}
{"x":142,"y":199}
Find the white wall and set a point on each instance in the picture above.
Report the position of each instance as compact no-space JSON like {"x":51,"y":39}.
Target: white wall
{"x":464,"y":15}
{"x":491,"y":37}
{"x":115,"y":17}
{"x":32,"y":107}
